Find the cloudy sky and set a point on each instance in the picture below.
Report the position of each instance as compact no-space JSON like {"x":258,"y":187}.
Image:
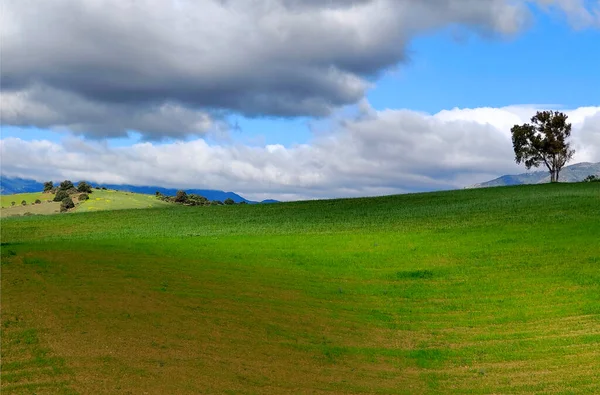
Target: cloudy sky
{"x":290,"y":99}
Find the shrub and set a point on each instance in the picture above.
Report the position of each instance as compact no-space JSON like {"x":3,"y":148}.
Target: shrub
{"x":104,"y":188}
{"x":592,"y":178}
{"x":13,"y":203}
{"x":24,"y":203}
{"x":38,"y":201}
{"x":60,"y":195}
{"x":48,"y":186}
{"x":196,"y":200}
{"x":243,"y":202}
{"x":83,"y":197}
{"x":180,"y":197}
{"x":216,"y":203}
{"x":66,"y":204}
{"x":83,"y":186}
{"x":66,"y":185}
{"x":158,"y":194}
{"x":229,"y":201}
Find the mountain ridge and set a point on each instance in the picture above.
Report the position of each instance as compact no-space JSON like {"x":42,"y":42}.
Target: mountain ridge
{"x":573,"y":173}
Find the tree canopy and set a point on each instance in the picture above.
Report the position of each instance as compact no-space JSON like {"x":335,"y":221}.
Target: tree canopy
{"x":544,"y":141}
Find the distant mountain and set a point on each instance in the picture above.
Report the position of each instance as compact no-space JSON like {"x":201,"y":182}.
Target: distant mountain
{"x":9,"y":186}
{"x":573,"y":173}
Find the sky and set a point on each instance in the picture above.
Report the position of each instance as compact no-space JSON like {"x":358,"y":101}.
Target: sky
{"x":290,"y":99}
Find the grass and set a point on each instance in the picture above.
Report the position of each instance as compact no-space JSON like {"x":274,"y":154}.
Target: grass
{"x":118,"y":200}
{"x":476,"y":291}
{"x":100,"y":200}
{"x":6,"y":200}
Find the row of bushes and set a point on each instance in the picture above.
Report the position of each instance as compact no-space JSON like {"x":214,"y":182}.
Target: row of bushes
{"x":181,"y":197}
{"x":67,"y":187}
{"x":24,"y":203}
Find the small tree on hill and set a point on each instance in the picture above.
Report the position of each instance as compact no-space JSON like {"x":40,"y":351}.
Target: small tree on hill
{"x":180,"y":197}
{"x":83,"y":186}
{"x":60,"y":195}
{"x":38,"y":201}
{"x":23,"y":203}
{"x":66,"y":185}
{"x":66,"y":204}
{"x":229,"y":201}
{"x":543,"y":142}
{"x":13,"y":203}
{"x":83,"y":197}
{"x":48,"y":186}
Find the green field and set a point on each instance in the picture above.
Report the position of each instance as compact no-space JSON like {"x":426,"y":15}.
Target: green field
{"x":476,"y":291}
{"x":28,"y":197}
{"x":118,"y":200}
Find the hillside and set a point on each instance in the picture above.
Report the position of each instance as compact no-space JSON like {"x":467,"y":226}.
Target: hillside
{"x":10,"y":186}
{"x":493,"y":290}
{"x":573,"y":173}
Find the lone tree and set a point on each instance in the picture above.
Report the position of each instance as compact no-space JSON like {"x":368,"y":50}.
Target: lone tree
{"x":66,"y":185}
{"x":543,"y":141}
{"x":48,"y":186}
{"x":83,"y":186}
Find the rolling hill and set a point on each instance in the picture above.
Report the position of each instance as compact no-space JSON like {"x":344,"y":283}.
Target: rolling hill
{"x":9,"y":186}
{"x":492,"y":290}
{"x":572,"y":173}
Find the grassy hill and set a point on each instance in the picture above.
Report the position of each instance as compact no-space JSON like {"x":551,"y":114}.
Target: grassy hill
{"x":100,"y":200}
{"x":6,"y":200}
{"x":117,"y":200}
{"x":475,"y":291}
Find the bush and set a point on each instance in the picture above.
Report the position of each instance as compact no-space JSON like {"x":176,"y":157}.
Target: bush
{"x":24,"y":203}
{"x":180,"y":197}
{"x":83,"y":186}
{"x":104,"y":188}
{"x":48,"y":186}
{"x":229,"y":201}
{"x":216,"y":203}
{"x":83,"y":197}
{"x":38,"y":201}
{"x":592,"y":178}
{"x":158,"y":194}
{"x":66,"y":185}
{"x":66,"y":204}
{"x":196,"y":200}
{"x":13,"y":203}
{"x":60,"y":195}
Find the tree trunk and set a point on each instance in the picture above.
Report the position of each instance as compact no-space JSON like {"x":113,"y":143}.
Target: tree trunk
{"x":552,"y":176}
{"x":556,"y":176}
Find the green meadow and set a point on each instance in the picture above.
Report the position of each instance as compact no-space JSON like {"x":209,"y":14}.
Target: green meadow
{"x":118,"y":200}
{"x":474,"y":291}
{"x":6,"y":200}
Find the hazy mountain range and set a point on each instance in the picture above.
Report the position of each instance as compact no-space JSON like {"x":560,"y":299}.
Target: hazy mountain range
{"x":572,"y":173}
{"x":9,"y":186}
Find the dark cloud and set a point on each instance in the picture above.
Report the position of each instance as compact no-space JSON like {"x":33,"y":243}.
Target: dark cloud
{"x":123,"y":60}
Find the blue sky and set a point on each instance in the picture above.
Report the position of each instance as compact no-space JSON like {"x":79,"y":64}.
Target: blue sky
{"x":551,"y":61}
{"x":446,"y":72}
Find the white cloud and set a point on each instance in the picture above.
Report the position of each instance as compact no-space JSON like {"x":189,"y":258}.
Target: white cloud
{"x":379,"y":152}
